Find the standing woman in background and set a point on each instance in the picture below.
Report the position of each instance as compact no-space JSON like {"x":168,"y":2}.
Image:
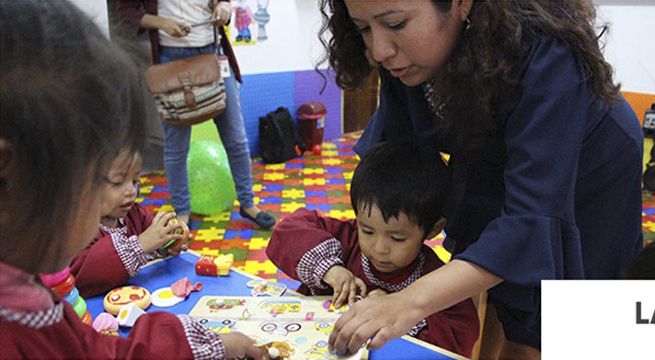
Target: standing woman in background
{"x":172,"y":38}
{"x":545,"y":152}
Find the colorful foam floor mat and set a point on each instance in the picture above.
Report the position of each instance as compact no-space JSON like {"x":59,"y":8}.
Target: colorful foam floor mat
{"x":317,"y":182}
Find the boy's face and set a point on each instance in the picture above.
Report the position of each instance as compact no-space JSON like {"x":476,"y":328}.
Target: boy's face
{"x":120,"y":189}
{"x":390,"y":246}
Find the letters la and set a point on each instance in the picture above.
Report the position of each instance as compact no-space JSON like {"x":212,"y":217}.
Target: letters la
{"x":641,"y":320}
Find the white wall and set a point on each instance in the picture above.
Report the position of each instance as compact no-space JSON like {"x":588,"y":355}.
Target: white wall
{"x":96,"y":10}
{"x":630,"y":46}
{"x":292,"y":43}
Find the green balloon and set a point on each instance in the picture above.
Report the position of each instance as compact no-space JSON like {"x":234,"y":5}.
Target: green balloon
{"x":210,"y":180}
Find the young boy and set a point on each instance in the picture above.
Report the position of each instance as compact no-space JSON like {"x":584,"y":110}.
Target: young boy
{"x":398,"y":193}
{"x":128,"y":237}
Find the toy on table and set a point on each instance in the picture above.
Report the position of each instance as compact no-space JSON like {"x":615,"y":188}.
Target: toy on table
{"x":165,"y":297}
{"x":261,"y":287}
{"x":278,"y":350}
{"x":63,"y":284}
{"x":174,"y":294}
{"x":125,"y":295}
{"x":106,"y":324}
{"x":176,"y":245}
{"x":128,"y":314}
{"x":210,"y":265}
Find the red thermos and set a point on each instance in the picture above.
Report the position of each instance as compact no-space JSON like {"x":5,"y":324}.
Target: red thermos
{"x":311,"y":122}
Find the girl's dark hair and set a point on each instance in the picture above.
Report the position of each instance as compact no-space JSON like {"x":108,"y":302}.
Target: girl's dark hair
{"x":482,"y":66}
{"x":70,"y":100}
{"x":401,"y":176}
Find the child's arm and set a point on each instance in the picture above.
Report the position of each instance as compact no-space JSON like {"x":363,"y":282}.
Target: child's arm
{"x":305,"y":245}
{"x":99,"y":267}
{"x":111,"y":259}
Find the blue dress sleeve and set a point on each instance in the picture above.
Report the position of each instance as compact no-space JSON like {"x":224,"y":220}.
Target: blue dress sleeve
{"x":536,"y":236}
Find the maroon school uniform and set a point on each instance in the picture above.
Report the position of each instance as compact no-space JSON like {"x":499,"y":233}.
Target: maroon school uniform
{"x":36,"y":325}
{"x":305,"y":245}
{"x":114,"y":255}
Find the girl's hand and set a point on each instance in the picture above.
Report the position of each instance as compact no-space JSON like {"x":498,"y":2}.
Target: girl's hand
{"x":159,"y":232}
{"x":222,"y":13}
{"x":240,"y":346}
{"x":173,"y":28}
{"x":381,"y":318}
{"x":344,"y":284}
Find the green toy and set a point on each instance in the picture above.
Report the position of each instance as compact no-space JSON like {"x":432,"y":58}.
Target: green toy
{"x":210,"y":180}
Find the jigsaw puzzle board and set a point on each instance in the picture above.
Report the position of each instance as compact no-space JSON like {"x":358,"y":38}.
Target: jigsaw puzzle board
{"x":304,"y":324}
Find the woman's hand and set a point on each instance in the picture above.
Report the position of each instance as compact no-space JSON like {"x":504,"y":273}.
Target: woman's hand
{"x":159,"y":232}
{"x":344,"y":284}
{"x":222,"y":13}
{"x":173,"y":28}
{"x":239,"y":346}
{"x":381,"y":318}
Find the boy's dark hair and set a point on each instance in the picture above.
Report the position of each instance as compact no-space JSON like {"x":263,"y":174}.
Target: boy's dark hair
{"x":401,"y":176}
{"x":69,"y":101}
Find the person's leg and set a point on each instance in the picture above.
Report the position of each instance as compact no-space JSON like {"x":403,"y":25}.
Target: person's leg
{"x":176,"y":144}
{"x":176,"y":148}
{"x":232,"y":131}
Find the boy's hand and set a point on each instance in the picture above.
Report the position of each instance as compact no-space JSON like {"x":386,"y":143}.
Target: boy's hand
{"x":159,"y":233}
{"x":344,"y":284}
{"x":239,"y":346}
{"x":376,"y":293}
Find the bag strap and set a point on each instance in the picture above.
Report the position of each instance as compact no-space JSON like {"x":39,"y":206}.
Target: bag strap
{"x":217,"y":41}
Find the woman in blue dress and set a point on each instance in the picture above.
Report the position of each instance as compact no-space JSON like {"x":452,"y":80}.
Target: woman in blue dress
{"x":545,"y":152}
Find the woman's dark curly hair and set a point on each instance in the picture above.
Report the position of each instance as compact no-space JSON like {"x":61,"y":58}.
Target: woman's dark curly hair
{"x":483,"y":62}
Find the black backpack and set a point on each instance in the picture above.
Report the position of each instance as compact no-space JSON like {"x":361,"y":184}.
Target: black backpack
{"x":278,"y":139}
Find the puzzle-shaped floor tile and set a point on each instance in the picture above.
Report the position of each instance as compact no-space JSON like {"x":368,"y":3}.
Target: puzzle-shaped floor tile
{"x":211,"y":233}
{"x":245,"y":233}
{"x":239,"y":254}
{"x":342,"y":214}
{"x":293,"y":194}
{"x":256,"y":267}
{"x":258,"y":243}
{"x":291,"y":207}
